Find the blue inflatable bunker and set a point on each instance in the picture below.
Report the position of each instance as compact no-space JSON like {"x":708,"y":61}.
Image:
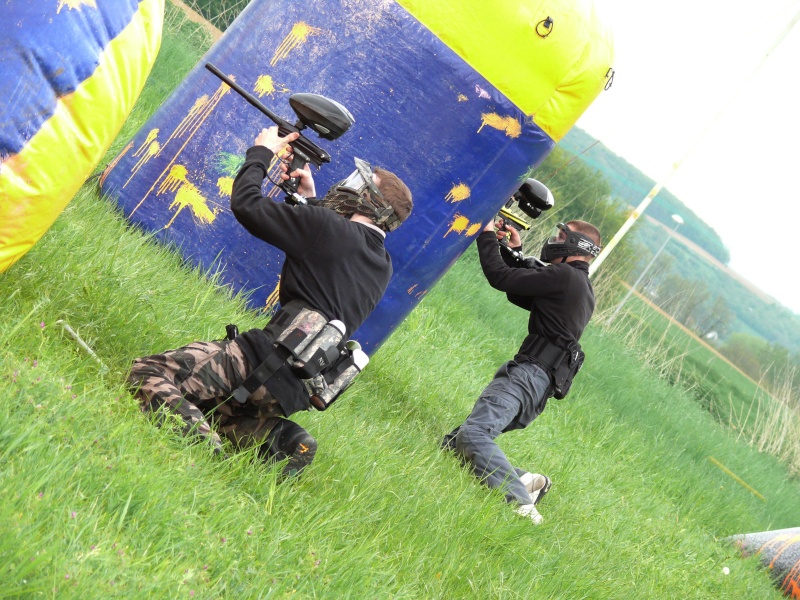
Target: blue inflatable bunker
{"x":461,"y":99}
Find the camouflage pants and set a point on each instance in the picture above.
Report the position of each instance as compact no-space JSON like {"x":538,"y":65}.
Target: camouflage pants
{"x":195,"y":383}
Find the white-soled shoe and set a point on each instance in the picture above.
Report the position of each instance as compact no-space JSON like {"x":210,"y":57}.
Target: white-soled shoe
{"x":529,"y":511}
{"x":537,"y":485}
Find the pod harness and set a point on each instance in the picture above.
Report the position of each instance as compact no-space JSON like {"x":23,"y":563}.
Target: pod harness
{"x":313,"y":348}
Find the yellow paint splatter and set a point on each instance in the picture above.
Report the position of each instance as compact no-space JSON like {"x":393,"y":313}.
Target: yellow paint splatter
{"x":200,"y":111}
{"x":76,"y":4}
{"x":462,"y":98}
{"x":273,"y":298}
{"x":300,"y":33}
{"x":225,"y":186}
{"x":458,"y":193}
{"x":189,"y":195}
{"x":473,"y":229}
{"x":265,"y":86}
{"x":199,"y":108}
{"x":172,"y":182}
{"x":151,"y":135}
{"x":412,"y":288}
{"x":145,"y":153}
{"x":459,"y":224}
{"x":509,"y":125}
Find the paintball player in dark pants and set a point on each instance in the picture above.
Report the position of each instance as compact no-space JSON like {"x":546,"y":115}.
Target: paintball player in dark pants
{"x":561,"y":300}
{"x":336,"y":267}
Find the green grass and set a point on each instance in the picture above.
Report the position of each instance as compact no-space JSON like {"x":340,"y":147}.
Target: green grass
{"x":98,"y":503}
{"x":768,"y":421}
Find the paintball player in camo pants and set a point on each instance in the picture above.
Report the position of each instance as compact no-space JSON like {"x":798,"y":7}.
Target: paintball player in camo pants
{"x":336,"y":264}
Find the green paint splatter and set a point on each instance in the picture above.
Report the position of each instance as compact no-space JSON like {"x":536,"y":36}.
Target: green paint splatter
{"x":229,"y":163}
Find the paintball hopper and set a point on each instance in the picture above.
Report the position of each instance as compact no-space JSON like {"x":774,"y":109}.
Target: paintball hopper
{"x":325,"y":116}
{"x":533,"y":197}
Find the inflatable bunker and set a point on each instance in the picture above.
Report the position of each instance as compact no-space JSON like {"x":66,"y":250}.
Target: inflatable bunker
{"x":462,"y":99}
{"x":72,"y":70}
{"x":779,"y":551}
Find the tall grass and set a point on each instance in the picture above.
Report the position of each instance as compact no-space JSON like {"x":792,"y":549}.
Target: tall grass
{"x":775,"y":425}
{"x":768,"y":420}
{"x":98,"y":503}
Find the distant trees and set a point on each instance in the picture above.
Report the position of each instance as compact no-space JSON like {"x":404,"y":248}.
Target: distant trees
{"x":716,"y":318}
{"x":771,"y":364}
{"x":690,"y":302}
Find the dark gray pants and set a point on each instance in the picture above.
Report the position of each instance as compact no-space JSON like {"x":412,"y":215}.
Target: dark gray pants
{"x":515,"y":397}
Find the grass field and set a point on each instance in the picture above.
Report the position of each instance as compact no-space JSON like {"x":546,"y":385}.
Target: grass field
{"x":769,"y":422}
{"x":98,"y":503}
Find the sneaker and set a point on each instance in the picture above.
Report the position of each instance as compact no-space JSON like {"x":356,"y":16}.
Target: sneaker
{"x":288,"y":440}
{"x":537,"y":485}
{"x":529,"y":511}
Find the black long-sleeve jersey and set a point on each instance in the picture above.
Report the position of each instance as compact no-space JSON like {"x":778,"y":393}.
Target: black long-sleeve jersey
{"x":336,"y":266}
{"x":559,"y":296}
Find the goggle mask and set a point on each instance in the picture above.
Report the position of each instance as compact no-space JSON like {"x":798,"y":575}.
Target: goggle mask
{"x":358,"y":194}
{"x":565,"y":242}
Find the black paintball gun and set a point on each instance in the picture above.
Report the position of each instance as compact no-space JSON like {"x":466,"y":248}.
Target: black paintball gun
{"x":325,"y":116}
{"x":532,"y":198}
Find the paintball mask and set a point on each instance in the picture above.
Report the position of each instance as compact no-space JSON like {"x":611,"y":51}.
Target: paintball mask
{"x":359,"y":194}
{"x":565,"y":242}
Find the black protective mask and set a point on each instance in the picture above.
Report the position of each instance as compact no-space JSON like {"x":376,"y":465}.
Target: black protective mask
{"x":565,"y":242}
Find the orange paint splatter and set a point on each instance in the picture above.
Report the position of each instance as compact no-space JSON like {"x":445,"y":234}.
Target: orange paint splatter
{"x":145,"y":153}
{"x":458,"y":193}
{"x":509,"y":125}
{"x":151,"y":136}
{"x":473,"y":229}
{"x":459,"y":224}
{"x":172,"y":182}
{"x":200,"y":111}
{"x":273,"y":298}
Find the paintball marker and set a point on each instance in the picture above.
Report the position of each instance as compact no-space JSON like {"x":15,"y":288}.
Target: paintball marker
{"x":531,"y":198}
{"x":325,"y":116}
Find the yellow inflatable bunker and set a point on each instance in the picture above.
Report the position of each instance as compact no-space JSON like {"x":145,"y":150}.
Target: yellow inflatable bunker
{"x":71,"y":72}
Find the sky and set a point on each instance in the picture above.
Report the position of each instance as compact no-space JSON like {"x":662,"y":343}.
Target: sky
{"x":692,"y":88}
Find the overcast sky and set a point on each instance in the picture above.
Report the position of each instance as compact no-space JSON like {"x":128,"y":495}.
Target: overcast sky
{"x":695,"y":70}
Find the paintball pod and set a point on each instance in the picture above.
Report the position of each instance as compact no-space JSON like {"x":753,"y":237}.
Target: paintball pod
{"x":531,"y":198}
{"x":325,"y":116}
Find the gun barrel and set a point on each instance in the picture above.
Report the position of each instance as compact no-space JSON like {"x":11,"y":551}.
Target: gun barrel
{"x":250,"y":98}
{"x":310,"y":150}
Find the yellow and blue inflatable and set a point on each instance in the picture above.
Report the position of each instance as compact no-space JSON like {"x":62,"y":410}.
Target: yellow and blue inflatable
{"x":71,"y":72}
{"x":460,"y":98}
